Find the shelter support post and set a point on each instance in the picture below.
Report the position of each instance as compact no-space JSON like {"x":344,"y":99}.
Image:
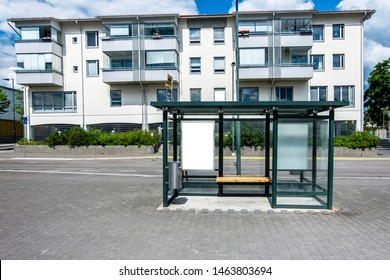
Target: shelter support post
{"x":314,"y":157}
{"x":267,"y":148}
{"x":175,"y":137}
{"x":165,"y":158}
{"x":220,"y":152}
{"x":330,"y":158}
{"x":274,"y":156}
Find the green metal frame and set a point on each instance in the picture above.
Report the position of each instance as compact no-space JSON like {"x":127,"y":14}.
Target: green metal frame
{"x":298,"y":111}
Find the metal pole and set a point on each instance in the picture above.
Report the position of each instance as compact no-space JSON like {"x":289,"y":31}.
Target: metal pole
{"x":274,"y":157}
{"x":175,"y":137}
{"x":330,"y":158}
{"x":233,"y":126}
{"x":220,"y":151}
{"x":14,"y":109}
{"x":238,"y":127}
{"x":165,"y":158}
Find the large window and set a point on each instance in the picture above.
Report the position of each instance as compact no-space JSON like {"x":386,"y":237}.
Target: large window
{"x":54,"y":101}
{"x":219,"y":35}
{"x":338,"y":61}
{"x":194,"y":35}
{"x":92,"y":38}
{"x":41,"y":33}
{"x":296,"y":25}
{"x":318,"y":33}
{"x":317,"y":93}
{"x":254,"y":26}
{"x":39,"y":62}
{"x":345,"y":93}
{"x":195,"y":94}
{"x":92,"y":68}
{"x":284,"y":93}
{"x":121,"y":63}
{"x":195,"y":65}
{"x":120,"y":30}
{"x":253,"y":57}
{"x":249,"y":94}
{"x":344,"y":128}
{"x":318,"y":62}
{"x":161,"y":59}
{"x":219,"y":65}
{"x":162,"y":29}
{"x":116,"y":98}
{"x":162,"y":95}
{"x":338,"y":31}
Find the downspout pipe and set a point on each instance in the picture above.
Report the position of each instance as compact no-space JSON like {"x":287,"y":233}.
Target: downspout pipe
{"x":83,"y":125}
{"x":145,"y":124}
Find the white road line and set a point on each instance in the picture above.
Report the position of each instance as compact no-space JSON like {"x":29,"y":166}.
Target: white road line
{"x":80,"y":173}
{"x":363,"y":178}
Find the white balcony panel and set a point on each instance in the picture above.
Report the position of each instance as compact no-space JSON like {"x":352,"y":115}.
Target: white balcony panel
{"x":253,"y":41}
{"x":304,"y":72}
{"x":39,"y":78}
{"x":117,"y":44}
{"x":254,"y":73}
{"x":161,"y":44}
{"x":29,"y":47}
{"x":296,"y":40}
{"x":160,"y":75}
{"x":118,"y":76}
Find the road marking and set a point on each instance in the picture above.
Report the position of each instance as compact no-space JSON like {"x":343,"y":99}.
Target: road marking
{"x":364,"y":178}
{"x":102,"y":158}
{"x":80,"y":173}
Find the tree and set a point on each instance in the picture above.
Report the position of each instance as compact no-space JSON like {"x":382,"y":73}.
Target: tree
{"x":377,"y":96}
{"x":19,"y":106}
{"x":4,"y":102}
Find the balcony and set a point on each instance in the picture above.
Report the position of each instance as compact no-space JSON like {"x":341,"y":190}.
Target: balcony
{"x":161,"y":43}
{"x":255,"y":73}
{"x":119,"y":75}
{"x":296,"y":40}
{"x":160,"y":74}
{"x":285,"y":71}
{"x":117,"y":44}
{"x":39,"y":78}
{"x":38,"y":46}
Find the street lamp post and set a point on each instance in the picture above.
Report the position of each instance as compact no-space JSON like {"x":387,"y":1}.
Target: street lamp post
{"x":13,"y":101}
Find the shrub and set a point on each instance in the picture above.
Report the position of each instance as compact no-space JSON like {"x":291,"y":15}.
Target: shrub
{"x":250,"y":137}
{"x":358,"y":140}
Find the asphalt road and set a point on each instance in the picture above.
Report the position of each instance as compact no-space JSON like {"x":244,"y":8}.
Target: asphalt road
{"x":105,"y":208}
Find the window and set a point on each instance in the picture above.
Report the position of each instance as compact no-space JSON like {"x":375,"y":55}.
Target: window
{"x":318,"y":33}
{"x":162,"y":95}
{"x":116,"y":98}
{"x":318,"y":62}
{"x":161,"y":59}
{"x":195,"y":94}
{"x":344,"y":128}
{"x":74,"y":40}
{"x":338,"y":61}
{"x":194,"y":35}
{"x":54,"y":101}
{"x":338,"y":31}
{"x":75,"y":69}
{"x":317,"y":93}
{"x":92,"y":38}
{"x":195,"y":65}
{"x":345,"y":93}
{"x":92,"y":68}
{"x":260,"y":26}
{"x":219,"y":65}
{"x":249,"y":94}
{"x":121,"y":63}
{"x":284,"y":93}
{"x":162,"y":29}
{"x":252,"y":57}
{"x":41,"y":62}
{"x":219,"y":94}
{"x":219,"y":35}
{"x":120,"y":30}
{"x":296,"y":25}
{"x":44,"y":33}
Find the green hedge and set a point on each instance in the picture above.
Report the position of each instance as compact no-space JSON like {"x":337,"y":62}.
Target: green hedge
{"x":358,"y":140}
{"x":77,"y":137}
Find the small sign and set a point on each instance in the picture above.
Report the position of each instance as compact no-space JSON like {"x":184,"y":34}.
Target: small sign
{"x":169,"y":94}
{"x":24,"y":120}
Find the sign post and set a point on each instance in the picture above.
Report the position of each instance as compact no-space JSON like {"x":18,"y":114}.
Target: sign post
{"x":24,"y":122}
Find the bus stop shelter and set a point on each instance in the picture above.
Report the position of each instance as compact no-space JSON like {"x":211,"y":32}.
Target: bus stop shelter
{"x":298,"y":151}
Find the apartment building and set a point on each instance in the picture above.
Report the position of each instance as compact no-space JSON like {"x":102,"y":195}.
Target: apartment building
{"x":103,"y":72}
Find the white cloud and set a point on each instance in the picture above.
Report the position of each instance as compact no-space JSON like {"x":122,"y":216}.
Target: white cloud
{"x":264,"y":5}
{"x":76,"y":9}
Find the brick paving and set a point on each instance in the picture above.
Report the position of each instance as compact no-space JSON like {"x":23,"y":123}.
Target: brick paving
{"x":86,"y":216}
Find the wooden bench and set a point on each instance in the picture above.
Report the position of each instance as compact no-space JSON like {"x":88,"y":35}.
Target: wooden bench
{"x":243,"y":180}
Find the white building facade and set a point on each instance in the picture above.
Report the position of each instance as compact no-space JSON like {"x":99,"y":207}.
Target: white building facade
{"x":103,"y":72}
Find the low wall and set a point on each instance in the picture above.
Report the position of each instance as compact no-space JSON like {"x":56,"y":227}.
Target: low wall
{"x":121,"y":150}
{"x":91,"y":150}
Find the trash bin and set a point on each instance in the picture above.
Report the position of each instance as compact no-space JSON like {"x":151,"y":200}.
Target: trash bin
{"x":175,"y":176}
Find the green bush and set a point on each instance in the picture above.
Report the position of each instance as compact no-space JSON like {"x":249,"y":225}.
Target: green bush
{"x":23,"y":141}
{"x":250,"y":137}
{"x":76,"y":137}
{"x":358,"y":140}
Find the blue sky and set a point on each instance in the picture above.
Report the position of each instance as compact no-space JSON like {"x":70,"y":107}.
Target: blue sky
{"x":223,"y":6}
